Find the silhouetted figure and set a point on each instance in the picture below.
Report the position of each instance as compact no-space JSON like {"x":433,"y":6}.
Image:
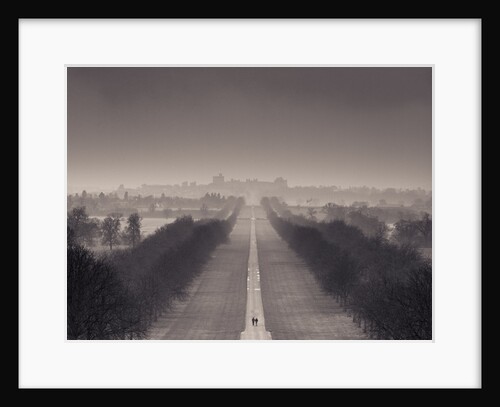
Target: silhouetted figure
{"x":256,"y":321}
{"x":253,"y":321}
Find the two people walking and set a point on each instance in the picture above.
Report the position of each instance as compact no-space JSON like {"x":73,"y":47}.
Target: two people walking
{"x":255,"y":321}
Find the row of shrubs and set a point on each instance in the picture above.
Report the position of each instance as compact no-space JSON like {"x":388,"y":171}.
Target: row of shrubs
{"x":119,"y":295}
{"x":387,"y":288}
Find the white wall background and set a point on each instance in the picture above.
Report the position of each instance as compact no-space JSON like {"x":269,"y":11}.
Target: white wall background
{"x":451,"y":360}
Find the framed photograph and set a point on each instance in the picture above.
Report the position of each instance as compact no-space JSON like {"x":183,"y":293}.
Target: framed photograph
{"x":251,"y":196}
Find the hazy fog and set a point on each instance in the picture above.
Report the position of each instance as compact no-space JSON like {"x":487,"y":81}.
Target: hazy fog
{"x":330,"y":126}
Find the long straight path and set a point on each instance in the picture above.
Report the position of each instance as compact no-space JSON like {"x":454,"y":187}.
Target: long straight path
{"x":255,"y":274}
{"x":294,"y":304}
{"x":215,"y":307}
{"x":255,"y":309}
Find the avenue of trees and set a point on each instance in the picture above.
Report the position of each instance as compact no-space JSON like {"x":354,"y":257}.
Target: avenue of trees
{"x":386,"y":287}
{"x":228,"y":207}
{"x":409,"y":227}
{"x":368,"y":224}
{"x":118,"y":295}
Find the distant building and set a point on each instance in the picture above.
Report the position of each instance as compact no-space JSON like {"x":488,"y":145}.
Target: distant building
{"x":253,"y":189}
{"x":218,"y":179}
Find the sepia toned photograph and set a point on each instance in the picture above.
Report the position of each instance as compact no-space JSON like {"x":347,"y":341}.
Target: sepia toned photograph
{"x":249,"y":203}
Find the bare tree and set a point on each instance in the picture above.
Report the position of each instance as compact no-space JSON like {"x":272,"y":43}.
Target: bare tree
{"x":84,"y":229}
{"x":99,"y":306}
{"x":204,"y":210}
{"x":369,"y":225}
{"x":77,"y":219}
{"x":311,"y":213}
{"x":415,"y":232}
{"x":110,"y":230}
{"x":133,"y":229}
{"x":405,"y":232}
{"x":424,"y":226}
{"x":334,"y":212}
{"x":90,"y":231}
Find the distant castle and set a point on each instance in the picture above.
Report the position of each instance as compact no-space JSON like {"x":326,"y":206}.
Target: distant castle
{"x":252,"y":189}
{"x":278,"y":182}
{"x":218,"y":179}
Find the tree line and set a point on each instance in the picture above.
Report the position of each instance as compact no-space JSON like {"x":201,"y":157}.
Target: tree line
{"x":87,"y":230}
{"x":386,"y":287}
{"x":154,"y":206}
{"x":356,"y":216}
{"x":119,"y":295}
{"x":418,"y":198}
{"x":408,"y":229}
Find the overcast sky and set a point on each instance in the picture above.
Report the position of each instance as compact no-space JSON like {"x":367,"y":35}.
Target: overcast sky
{"x":312,"y":126}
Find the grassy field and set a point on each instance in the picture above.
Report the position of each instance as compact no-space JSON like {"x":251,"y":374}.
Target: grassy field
{"x":294,"y":304}
{"x":216,"y":305}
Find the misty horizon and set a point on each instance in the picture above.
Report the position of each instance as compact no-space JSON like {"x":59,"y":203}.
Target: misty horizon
{"x":330,"y":126}
{"x":104,"y":188}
